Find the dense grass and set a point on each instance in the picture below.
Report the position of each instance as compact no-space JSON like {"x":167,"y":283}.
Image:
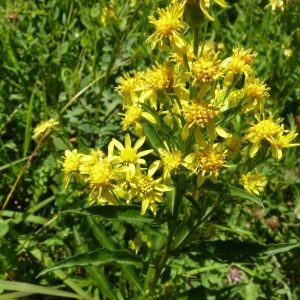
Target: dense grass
{"x":52,"y":50}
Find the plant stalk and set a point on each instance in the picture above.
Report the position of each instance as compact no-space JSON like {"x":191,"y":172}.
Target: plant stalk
{"x":172,"y":229}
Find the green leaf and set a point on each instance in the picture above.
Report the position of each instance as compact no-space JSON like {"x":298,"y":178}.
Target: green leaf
{"x":4,"y":227}
{"x":170,"y":200}
{"x":235,"y":251}
{"x":97,"y":274}
{"x":128,"y":213}
{"x":106,"y":241}
{"x":203,"y":293}
{"x":232,"y":191}
{"x":153,"y":137}
{"x":97,"y":258}
{"x":35,"y":289}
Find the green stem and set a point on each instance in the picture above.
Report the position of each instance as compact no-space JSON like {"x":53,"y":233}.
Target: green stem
{"x":198,"y":223}
{"x":172,"y":229}
{"x":204,"y":36}
{"x":196,"y":41}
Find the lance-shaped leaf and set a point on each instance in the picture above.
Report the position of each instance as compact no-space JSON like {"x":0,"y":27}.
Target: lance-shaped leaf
{"x":97,"y":258}
{"x":153,"y":137}
{"x":235,"y":251}
{"x":128,"y":213}
{"x":232,"y":191}
{"x":203,"y":293}
{"x":26,"y":289}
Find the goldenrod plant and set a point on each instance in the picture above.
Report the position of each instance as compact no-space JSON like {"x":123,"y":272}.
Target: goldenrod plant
{"x":199,"y":119}
{"x":169,"y":176}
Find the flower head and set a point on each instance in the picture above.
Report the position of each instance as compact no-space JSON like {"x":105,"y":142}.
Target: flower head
{"x":267,"y":130}
{"x":100,"y":177}
{"x":234,"y":276}
{"x":133,"y":116}
{"x":167,"y":26}
{"x":208,"y":160}
{"x":233,"y":145}
{"x":206,"y":69}
{"x":254,"y":183}
{"x":283,"y":141}
{"x":171,"y":160}
{"x":108,"y":14}
{"x":42,"y":127}
{"x":128,"y":155}
{"x":239,"y":63}
{"x":128,"y":87}
{"x":199,"y":113}
{"x":158,"y":78}
{"x":254,"y":91}
{"x":70,"y":164}
{"x":148,"y":190}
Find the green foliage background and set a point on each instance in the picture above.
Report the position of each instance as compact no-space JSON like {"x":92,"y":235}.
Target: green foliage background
{"x":50,"y":50}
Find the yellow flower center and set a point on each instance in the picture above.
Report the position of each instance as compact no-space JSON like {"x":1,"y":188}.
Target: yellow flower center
{"x":172,"y":160}
{"x":205,"y":70}
{"x":266,"y":129}
{"x":129,"y":155}
{"x":72,"y":162}
{"x":161,"y":77}
{"x":146,"y":185}
{"x":101,"y":174}
{"x":129,"y":84}
{"x":256,"y":90}
{"x":169,"y":20}
{"x":132,"y":115}
{"x":199,"y":113}
{"x":254,"y":182}
{"x":245,"y":57}
{"x":210,"y":160}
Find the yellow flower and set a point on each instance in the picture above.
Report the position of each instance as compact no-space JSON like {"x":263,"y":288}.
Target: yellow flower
{"x":91,"y":159}
{"x":276,"y":5}
{"x":283,"y":141}
{"x":208,"y":160}
{"x":254,"y":182}
{"x":100,"y":176}
{"x":167,"y":27}
{"x":264,"y":130}
{"x":171,"y":159}
{"x":128,"y":86}
{"x":133,"y":116}
{"x":288,"y":52}
{"x":206,"y":69}
{"x":70,"y":164}
{"x":239,"y":63}
{"x":192,"y":10}
{"x":148,"y":190}
{"x":136,"y":244}
{"x":128,"y":155}
{"x":108,"y":14}
{"x":159,"y":78}
{"x":199,"y":114}
{"x":235,"y":97}
{"x":42,"y":127}
{"x":254,"y":90}
{"x":205,"y":3}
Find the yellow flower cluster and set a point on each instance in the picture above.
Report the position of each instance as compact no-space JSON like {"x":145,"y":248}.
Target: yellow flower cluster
{"x":185,"y":108}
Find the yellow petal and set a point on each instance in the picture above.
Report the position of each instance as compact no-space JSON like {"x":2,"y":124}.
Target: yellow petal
{"x":185,"y":132}
{"x":139,"y":143}
{"x":221,"y":3}
{"x":149,"y":117}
